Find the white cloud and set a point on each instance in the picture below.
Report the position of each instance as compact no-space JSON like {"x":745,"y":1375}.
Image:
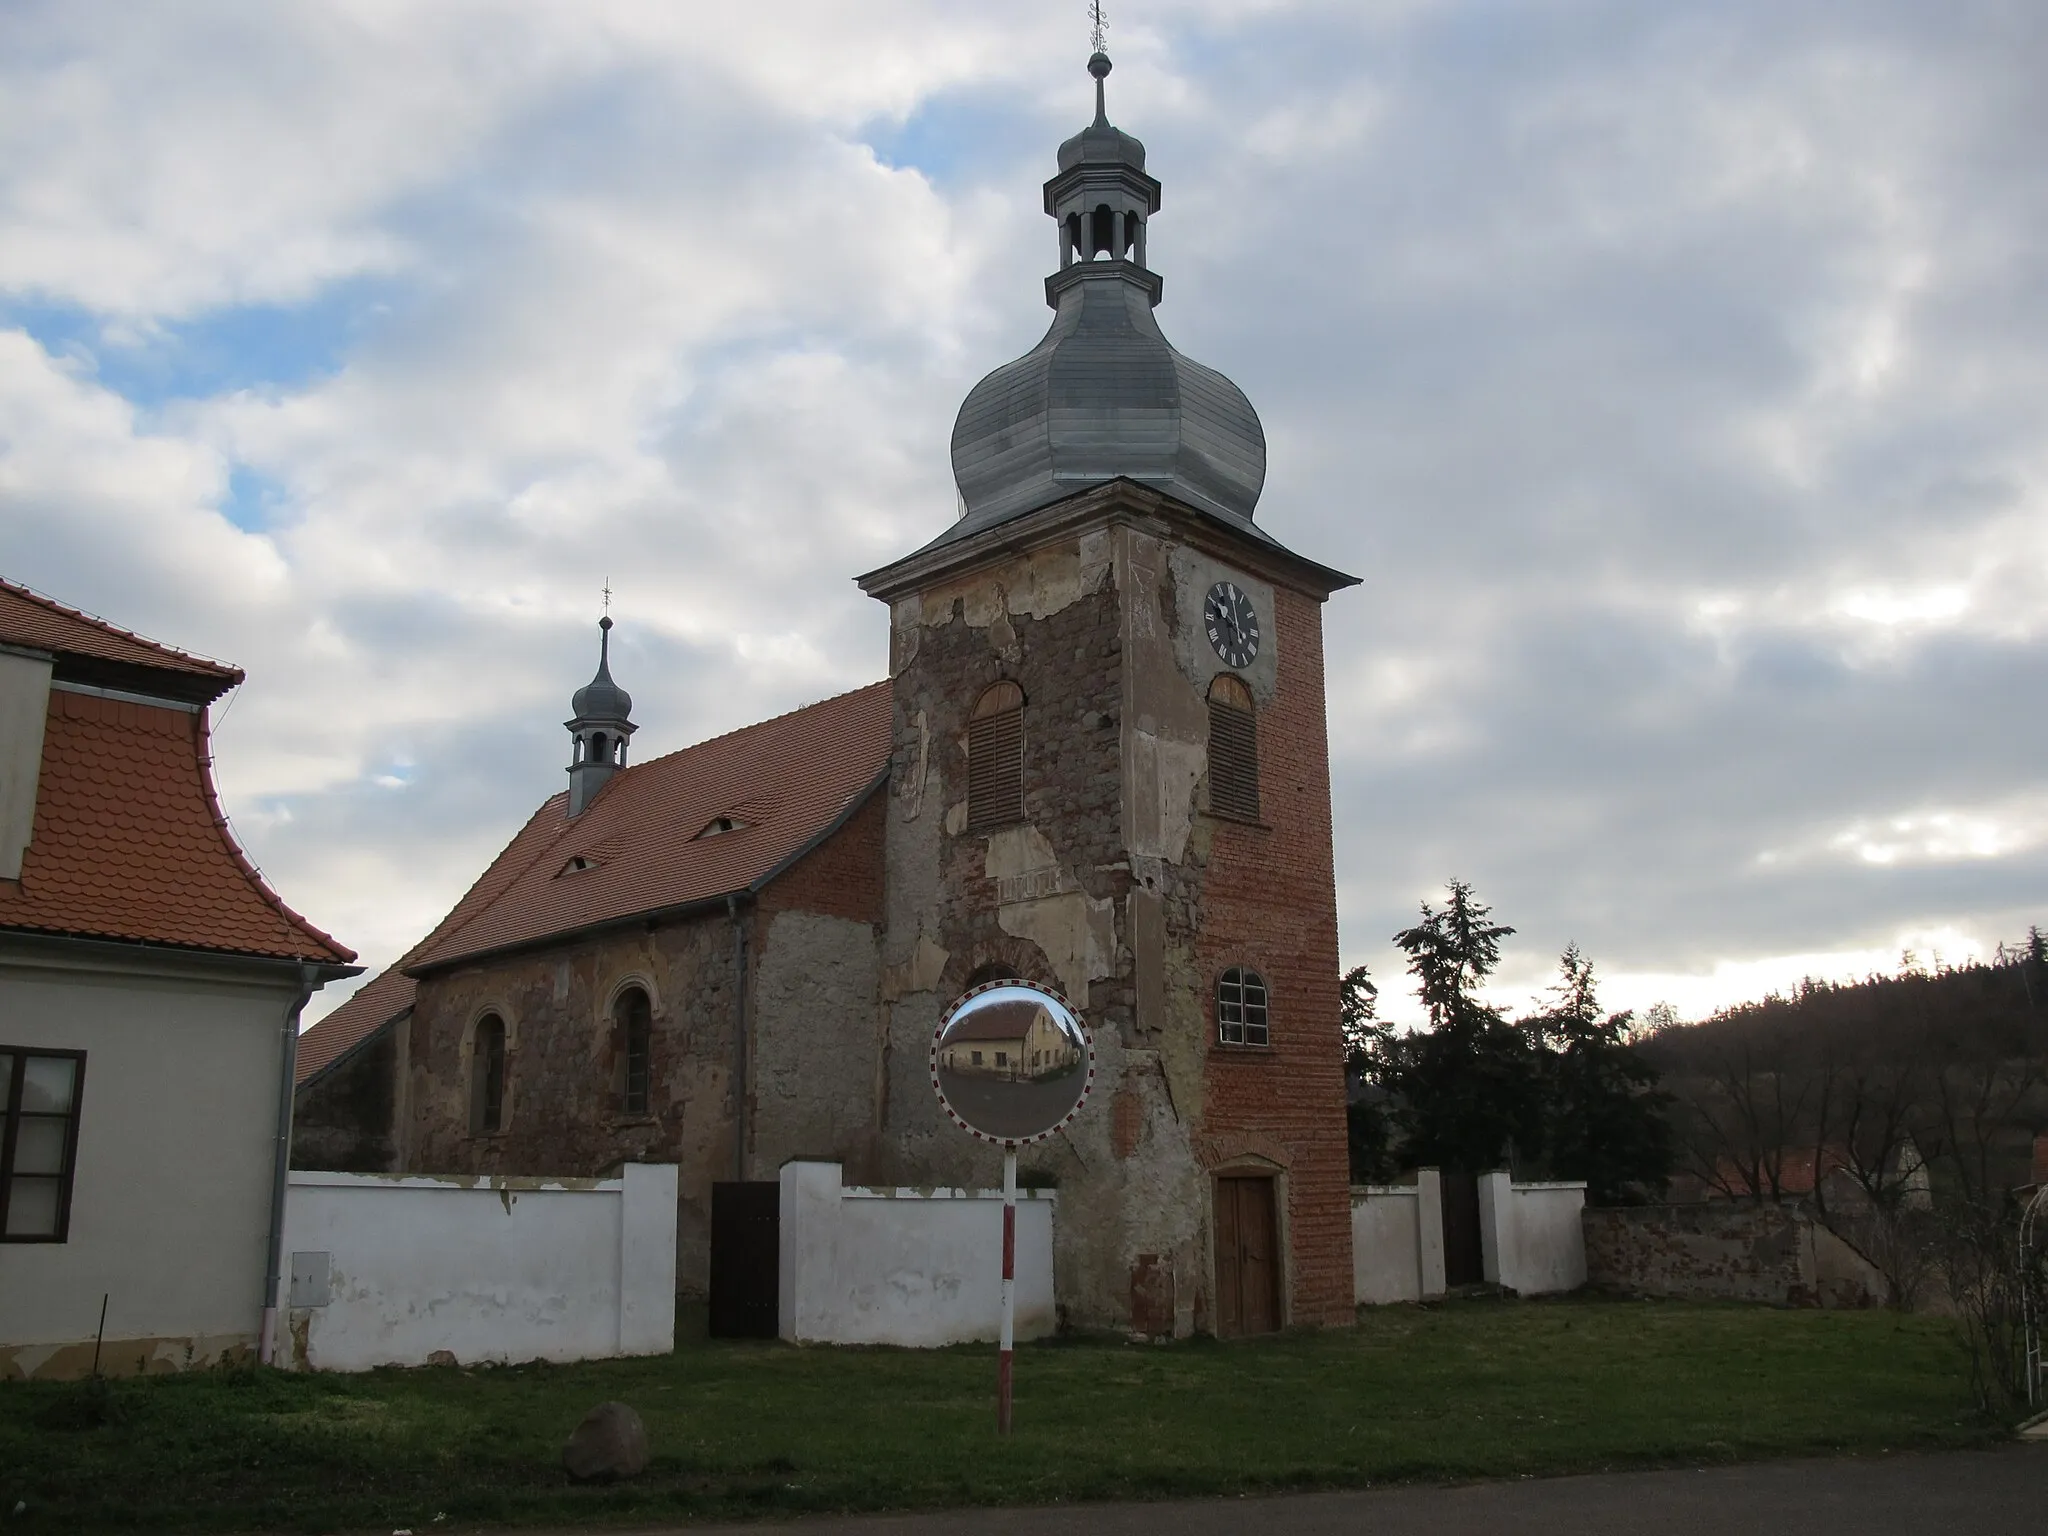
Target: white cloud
{"x":1674,"y":378}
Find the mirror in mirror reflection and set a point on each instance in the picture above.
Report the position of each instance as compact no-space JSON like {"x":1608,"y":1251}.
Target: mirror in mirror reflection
{"x":1012,"y":1062}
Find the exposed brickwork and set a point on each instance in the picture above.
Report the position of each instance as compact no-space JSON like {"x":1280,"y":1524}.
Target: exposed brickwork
{"x":1734,"y":1251}
{"x":842,"y":876}
{"x":1270,"y":902}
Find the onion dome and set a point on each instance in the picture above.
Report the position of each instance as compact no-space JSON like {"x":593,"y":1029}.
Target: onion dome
{"x":1105,"y":395}
{"x":601,"y":698}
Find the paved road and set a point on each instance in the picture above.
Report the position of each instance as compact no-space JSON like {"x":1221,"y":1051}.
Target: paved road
{"x":1968,"y":1493}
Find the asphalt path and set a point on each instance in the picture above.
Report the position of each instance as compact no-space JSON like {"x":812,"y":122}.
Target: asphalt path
{"x":2001,"y":1492}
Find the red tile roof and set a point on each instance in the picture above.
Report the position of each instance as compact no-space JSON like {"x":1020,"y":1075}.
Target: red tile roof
{"x":40,"y":623}
{"x":130,"y":842}
{"x":788,"y":781}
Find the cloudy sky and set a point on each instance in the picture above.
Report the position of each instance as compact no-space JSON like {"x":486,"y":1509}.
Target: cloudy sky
{"x":1675,"y":375}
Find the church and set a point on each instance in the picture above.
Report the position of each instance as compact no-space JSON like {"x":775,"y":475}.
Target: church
{"x":1099,"y":761}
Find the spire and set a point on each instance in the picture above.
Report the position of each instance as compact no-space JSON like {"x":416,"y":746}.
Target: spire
{"x":602,"y":722}
{"x":1104,"y":396}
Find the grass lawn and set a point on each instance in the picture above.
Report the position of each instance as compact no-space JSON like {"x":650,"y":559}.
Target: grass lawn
{"x":1470,"y":1389}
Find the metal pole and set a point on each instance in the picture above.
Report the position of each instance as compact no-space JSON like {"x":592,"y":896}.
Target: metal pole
{"x":1009,"y":1289}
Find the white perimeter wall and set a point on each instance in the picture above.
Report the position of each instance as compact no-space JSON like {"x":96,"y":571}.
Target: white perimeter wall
{"x":502,"y":1269}
{"x":906,"y":1266}
{"x":1530,"y":1235}
{"x":1397,"y":1240}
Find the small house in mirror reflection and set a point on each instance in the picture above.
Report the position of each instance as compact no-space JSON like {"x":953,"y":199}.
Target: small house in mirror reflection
{"x":1019,"y":1040}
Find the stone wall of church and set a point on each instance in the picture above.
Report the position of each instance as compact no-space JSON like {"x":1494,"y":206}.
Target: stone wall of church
{"x":1120,"y":890}
{"x":811,"y":1010}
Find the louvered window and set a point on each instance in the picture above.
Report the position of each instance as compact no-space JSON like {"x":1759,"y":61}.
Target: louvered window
{"x":995,"y":758}
{"x":1233,"y":750}
{"x":1241,"y":1008}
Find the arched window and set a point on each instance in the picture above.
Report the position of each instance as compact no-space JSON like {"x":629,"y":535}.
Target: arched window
{"x":1233,"y":750}
{"x":995,"y":758}
{"x":1241,"y":1008}
{"x":634,"y":1019}
{"x":487,"y":1077}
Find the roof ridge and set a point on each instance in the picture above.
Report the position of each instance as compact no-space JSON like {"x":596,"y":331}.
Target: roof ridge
{"x":210,"y":663}
{"x":741,"y":730}
{"x":336,"y":950}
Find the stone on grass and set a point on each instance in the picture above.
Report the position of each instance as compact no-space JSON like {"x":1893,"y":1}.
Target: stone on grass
{"x":611,"y":1442}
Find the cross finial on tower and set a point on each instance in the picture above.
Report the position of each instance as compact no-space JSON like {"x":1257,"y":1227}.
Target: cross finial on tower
{"x":607,"y":594}
{"x":1098,"y":29}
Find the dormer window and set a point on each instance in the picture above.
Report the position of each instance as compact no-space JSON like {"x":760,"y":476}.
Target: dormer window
{"x":577,"y":864}
{"x":719,"y":825}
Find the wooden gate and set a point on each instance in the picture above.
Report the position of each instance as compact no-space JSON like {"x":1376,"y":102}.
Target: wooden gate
{"x":1247,"y":1257}
{"x":1463,"y":1262}
{"x":746,"y":1230}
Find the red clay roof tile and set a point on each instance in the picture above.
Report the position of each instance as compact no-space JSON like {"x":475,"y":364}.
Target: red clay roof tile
{"x":27,"y":618}
{"x":130,"y":841}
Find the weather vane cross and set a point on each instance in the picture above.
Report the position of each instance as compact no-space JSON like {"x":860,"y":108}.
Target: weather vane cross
{"x":1098,"y":27}
{"x":607,"y":595}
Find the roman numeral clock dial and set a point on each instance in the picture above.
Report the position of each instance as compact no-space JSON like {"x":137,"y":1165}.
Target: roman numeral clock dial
{"x":1232,"y":623}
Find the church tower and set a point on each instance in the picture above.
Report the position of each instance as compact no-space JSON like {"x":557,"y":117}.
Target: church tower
{"x":1111,"y":774}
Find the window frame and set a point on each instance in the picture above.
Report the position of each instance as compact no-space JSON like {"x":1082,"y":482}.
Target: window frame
{"x":1246,"y":979}
{"x":479,"y":1122}
{"x":626,"y":1018}
{"x":10,"y":1136}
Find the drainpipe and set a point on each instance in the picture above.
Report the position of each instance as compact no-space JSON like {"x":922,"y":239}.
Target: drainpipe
{"x":739,"y":1049}
{"x":280,"y":1172}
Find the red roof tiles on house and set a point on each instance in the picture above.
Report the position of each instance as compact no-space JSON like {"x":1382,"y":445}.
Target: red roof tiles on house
{"x":787,"y":781}
{"x":40,"y":623}
{"x":130,"y":841}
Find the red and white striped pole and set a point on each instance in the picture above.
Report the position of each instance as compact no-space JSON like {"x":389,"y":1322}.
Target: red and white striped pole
{"x":1009,"y":1289}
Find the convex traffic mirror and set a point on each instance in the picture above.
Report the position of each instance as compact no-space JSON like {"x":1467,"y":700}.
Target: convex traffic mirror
{"x":1012,"y":1063}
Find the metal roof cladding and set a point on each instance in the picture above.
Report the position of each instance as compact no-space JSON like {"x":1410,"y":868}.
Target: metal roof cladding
{"x":1104,"y":395}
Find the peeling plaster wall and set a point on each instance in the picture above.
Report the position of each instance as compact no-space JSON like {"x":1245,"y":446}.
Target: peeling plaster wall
{"x":1106,"y":892}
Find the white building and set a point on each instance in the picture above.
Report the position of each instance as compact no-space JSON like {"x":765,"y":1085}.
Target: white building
{"x":150,"y":992}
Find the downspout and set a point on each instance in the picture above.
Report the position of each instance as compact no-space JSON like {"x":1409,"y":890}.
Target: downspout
{"x":739,"y":1032}
{"x":280,"y":1172}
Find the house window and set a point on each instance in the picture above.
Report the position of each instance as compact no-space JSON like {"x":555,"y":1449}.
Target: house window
{"x":635,"y":1020}
{"x":1233,"y":750}
{"x":1241,"y":1008}
{"x":995,"y":758}
{"x":487,"y":1077}
{"x":39,"y":1097}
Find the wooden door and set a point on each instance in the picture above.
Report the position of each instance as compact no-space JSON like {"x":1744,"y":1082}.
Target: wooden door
{"x":746,"y":1231}
{"x":1463,"y":1262}
{"x":1247,"y":1257}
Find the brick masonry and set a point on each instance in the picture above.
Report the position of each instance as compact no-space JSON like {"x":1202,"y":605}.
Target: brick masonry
{"x":1734,"y":1251}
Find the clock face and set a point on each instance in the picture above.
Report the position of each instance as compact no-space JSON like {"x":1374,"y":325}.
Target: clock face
{"x":1232,"y":623}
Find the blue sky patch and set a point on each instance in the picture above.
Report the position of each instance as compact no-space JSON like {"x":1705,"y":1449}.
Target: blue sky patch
{"x":255,"y":502}
{"x":252,"y":346}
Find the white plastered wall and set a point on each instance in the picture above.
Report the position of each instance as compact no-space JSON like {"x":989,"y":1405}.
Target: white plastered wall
{"x":24,"y":708}
{"x":390,"y":1270}
{"x":170,"y":1204}
{"x":917,"y":1267}
{"x":1531,"y":1238}
{"x":1397,"y":1240}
